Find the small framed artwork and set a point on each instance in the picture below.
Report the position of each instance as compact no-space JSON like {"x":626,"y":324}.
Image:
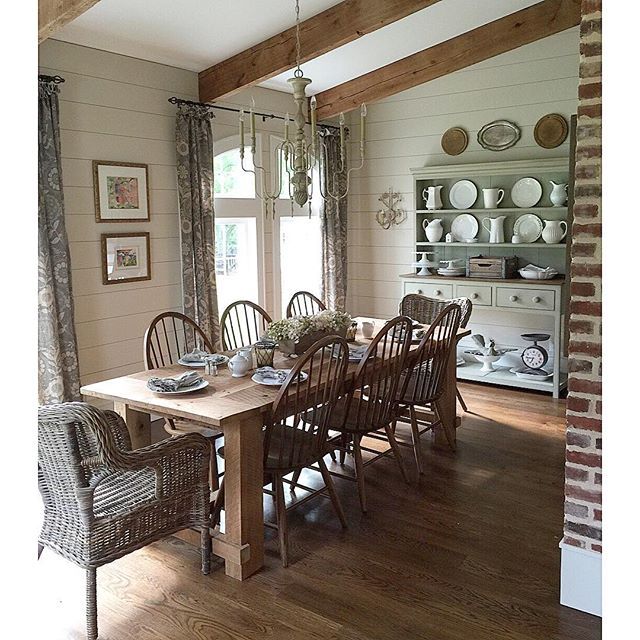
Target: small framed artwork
{"x":121,"y":191}
{"x":126,"y":257}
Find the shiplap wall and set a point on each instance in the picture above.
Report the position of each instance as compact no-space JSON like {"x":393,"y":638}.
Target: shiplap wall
{"x":114,"y":107}
{"x":404,"y":131}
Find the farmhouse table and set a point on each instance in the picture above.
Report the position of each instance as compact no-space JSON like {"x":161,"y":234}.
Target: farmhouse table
{"x":236,"y":406}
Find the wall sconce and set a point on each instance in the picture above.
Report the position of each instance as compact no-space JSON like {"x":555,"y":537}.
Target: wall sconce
{"x":390,"y":214}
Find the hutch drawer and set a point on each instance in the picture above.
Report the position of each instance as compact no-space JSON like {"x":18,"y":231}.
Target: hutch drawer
{"x":516,"y":298}
{"x":478,"y":294}
{"x":429,"y":289}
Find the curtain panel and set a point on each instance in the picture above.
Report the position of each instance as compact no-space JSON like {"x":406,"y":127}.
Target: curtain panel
{"x":194,"y":151}
{"x":58,"y":373}
{"x":333,"y":221}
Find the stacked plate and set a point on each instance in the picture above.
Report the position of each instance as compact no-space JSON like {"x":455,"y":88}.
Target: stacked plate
{"x":454,"y":272}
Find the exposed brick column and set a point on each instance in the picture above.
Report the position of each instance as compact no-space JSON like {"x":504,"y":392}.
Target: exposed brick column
{"x":583,"y":473}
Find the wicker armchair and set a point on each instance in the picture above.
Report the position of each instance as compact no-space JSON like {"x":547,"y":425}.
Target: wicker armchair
{"x":102,"y":500}
{"x":426,"y":310}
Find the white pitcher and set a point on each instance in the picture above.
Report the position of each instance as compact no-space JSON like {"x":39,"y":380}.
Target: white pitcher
{"x":432,"y":197}
{"x":433,"y":230}
{"x":492,"y":198}
{"x":553,"y":232}
{"x":496,"y":229}
{"x":240,"y":364}
{"x":558,"y":195}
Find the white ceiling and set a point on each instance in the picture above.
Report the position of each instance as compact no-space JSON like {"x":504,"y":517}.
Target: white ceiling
{"x":194,"y":34}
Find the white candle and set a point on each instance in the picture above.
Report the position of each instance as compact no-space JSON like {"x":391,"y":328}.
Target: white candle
{"x":253,"y":125}
{"x":286,"y":127}
{"x":363,"y":115}
{"x":342,"y":131}
{"x":241,"y":130}
{"x":313,"y":116}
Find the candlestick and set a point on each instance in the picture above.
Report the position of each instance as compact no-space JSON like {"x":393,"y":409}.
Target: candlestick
{"x":341,"y":131}
{"x":363,"y":115}
{"x":253,"y":126}
{"x":241,"y":131}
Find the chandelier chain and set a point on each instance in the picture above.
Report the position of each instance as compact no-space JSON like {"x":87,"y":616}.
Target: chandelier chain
{"x":298,"y":72}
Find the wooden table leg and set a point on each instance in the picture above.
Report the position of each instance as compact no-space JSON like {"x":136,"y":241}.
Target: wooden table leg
{"x":445,"y":434}
{"x":243,"y":476}
{"x":138,"y":423}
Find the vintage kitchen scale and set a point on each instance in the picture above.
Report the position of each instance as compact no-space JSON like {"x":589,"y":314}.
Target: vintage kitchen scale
{"x":534,"y":357}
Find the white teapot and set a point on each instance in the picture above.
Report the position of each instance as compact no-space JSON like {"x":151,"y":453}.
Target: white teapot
{"x":240,"y":364}
{"x":553,"y":232}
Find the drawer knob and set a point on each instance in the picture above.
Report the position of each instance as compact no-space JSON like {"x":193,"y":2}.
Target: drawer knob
{"x":474,"y":296}
{"x":419,"y":291}
{"x":436,"y":292}
{"x":513,"y":298}
{"x":535,"y":299}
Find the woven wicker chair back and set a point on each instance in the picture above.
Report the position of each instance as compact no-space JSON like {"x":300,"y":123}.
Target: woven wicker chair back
{"x":425,"y":310}
{"x":169,"y":336}
{"x":243,"y":323}
{"x":304,"y":303}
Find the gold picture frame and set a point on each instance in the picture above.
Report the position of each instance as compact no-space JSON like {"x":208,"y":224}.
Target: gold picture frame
{"x":126,"y":257}
{"x":121,"y":191}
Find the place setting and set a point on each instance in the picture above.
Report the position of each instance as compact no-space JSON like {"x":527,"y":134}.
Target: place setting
{"x":183,"y":383}
{"x":272,"y":377}
{"x":199,"y":359}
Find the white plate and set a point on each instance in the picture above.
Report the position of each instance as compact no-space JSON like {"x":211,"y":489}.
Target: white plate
{"x":270,"y":382}
{"x":464,"y":227}
{"x":528,"y":227}
{"x":522,"y":373}
{"x":460,"y":362}
{"x":526,"y":192}
{"x":200,"y":365}
{"x":196,"y":387}
{"x":463,"y":194}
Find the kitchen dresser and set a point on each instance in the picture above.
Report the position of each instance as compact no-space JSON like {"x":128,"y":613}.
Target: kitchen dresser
{"x":502,"y":308}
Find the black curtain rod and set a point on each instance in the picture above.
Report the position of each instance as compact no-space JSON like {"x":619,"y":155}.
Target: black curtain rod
{"x":264,"y":116}
{"x":54,"y":79}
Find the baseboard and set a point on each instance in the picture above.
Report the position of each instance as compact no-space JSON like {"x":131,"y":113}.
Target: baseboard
{"x":581,"y":579}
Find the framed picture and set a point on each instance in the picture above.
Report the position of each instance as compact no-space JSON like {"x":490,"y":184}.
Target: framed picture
{"x":121,"y":191}
{"x":126,"y":257}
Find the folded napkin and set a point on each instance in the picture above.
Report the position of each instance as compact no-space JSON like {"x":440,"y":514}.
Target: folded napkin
{"x":358,"y":352}
{"x":197,"y":355}
{"x":533,"y":267}
{"x":269,"y":373}
{"x":183,"y":381}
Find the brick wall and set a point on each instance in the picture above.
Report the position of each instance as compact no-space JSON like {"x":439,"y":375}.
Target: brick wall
{"x":583,"y":474}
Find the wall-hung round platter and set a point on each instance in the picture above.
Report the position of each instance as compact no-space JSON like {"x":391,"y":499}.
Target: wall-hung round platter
{"x":463,"y":194}
{"x":551,"y":131}
{"x":526,"y":193}
{"x":498,"y":135}
{"x":528,"y":227}
{"x":464,"y":227}
{"x":454,"y":141}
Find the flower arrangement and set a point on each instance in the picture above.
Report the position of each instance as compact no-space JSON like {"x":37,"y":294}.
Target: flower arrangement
{"x":296,"y":334}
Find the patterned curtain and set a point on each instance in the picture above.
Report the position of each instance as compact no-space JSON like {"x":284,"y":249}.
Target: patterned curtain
{"x":333,"y":220}
{"x":58,"y":374}
{"x":194,"y":147}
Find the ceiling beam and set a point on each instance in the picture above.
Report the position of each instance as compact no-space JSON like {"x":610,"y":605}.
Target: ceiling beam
{"x":54,"y":14}
{"x":513,"y":31}
{"x":323,"y":32}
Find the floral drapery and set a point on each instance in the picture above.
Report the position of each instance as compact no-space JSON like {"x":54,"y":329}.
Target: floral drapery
{"x":58,"y":374}
{"x":194,"y":150}
{"x":333,"y":221}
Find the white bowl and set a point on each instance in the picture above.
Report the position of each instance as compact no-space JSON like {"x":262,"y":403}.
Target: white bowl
{"x":538,"y":275}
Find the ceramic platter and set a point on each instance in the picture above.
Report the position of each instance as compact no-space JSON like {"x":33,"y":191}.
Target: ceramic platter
{"x":463,"y":194}
{"x":194,"y":387}
{"x":275,"y":382}
{"x":528,"y":227}
{"x":526,"y":193}
{"x":464,"y":227}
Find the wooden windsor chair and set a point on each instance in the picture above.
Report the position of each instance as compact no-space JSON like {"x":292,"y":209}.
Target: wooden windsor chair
{"x":304,"y":303}
{"x":169,"y":336}
{"x":296,"y":430}
{"x":242,"y":323}
{"x":423,"y":383}
{"x":424,"y":309}
{"x":102,"y":500}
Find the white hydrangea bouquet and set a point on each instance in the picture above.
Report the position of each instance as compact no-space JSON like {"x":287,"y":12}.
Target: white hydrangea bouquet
{"x":297,"y":334}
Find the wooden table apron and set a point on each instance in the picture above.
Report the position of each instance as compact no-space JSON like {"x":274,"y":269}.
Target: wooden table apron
{"x":237,"y":407}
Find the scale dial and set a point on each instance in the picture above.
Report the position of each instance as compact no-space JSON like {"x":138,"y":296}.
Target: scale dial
{"x":535,"y":357}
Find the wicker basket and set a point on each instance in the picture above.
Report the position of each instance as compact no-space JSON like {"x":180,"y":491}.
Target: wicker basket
{"x":289,"y":347}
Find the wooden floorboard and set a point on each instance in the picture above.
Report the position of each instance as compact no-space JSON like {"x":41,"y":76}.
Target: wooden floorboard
{"x":468,"y":551}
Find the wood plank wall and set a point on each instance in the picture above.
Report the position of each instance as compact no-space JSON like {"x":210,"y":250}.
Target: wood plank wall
{"x":404,"y":131}
{"x":115,"y":107}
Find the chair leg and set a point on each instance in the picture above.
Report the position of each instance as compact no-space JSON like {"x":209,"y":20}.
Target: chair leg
{"x":281,"y":519}
{"x":205,"y":543}
{"x":214,"y":482}
{"x":218,"y":505}
{"x":332,"y":453}
{"x":396,"y":452}
{"x":357,"y":456}
{"x":335,"y":500}
{"x":415,"y":437}
{"x":92,"y":605}
{"x":343,"y":451}
{"x":294,"y":481}
{"x":40,"y":550}
{"x":463,"y":404}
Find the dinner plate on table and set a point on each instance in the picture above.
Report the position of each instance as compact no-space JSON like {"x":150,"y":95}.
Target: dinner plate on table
{"x":272,"y":381}
{"x":194,"y":387}
{"x":199,"y":364}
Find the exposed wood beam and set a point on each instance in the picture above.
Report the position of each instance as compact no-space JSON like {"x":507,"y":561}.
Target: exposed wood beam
{"x":54,"y":14}
{"x":323,"y":32}
{"x":512,"y":31}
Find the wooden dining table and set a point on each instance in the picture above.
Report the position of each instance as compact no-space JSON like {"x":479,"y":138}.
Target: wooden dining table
{"x":237,"y":407}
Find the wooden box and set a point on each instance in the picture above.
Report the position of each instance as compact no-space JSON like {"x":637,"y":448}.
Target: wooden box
{"x":492,"y":267}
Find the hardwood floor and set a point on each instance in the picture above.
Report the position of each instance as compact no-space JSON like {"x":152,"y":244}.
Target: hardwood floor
{"x":469,"y":551}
